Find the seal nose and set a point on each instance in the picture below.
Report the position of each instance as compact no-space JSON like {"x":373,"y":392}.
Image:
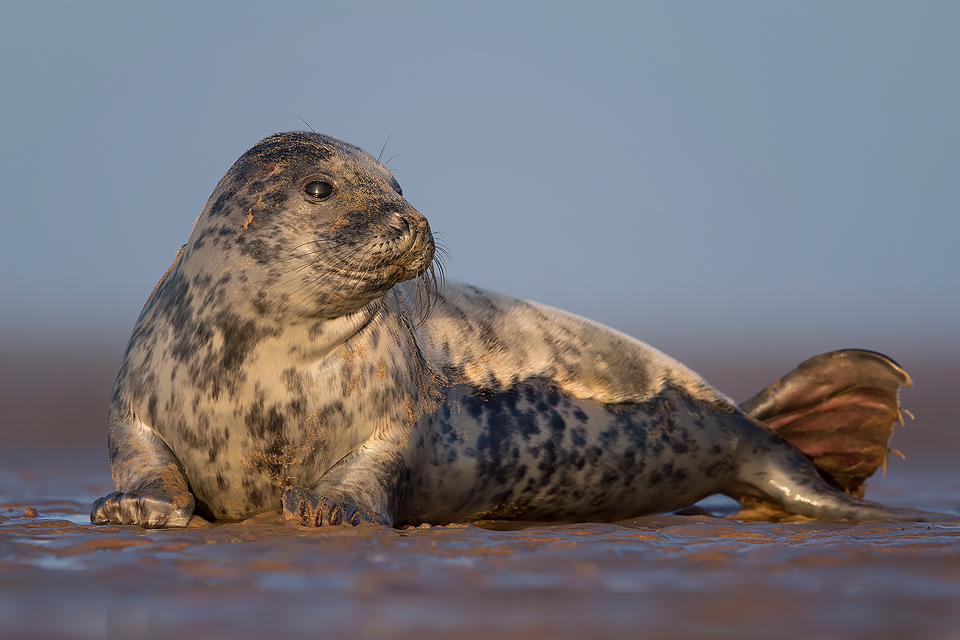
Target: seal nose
{"x":412,"y":222}
{"x":417,"y":220}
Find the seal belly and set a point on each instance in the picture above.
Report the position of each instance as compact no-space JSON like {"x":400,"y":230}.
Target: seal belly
{"x":533,"y":453}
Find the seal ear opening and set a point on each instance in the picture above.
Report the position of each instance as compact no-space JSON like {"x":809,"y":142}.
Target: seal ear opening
{"x":838,"y":409}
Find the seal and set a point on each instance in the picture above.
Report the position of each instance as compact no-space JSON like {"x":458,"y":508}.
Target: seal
{"x":301,"y":353}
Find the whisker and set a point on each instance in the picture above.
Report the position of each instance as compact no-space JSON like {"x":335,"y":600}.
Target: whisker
{"x":387,"y":163}
{"x":384,"y":147}
{"x":302,"y":120}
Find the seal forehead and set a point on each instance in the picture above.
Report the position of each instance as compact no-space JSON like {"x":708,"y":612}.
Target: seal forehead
{"x":272,"y":165}
{"x":266,"y":174}
{"x":299,"y":150}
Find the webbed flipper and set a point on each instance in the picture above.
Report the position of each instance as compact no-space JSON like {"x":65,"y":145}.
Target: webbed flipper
{"x":352,"y":492}
{"x":304,"y":507}
{"x":838,"y":409}
{"x":152,"y":489}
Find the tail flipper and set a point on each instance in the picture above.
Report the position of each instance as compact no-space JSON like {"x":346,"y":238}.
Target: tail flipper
{"x":838,"y":409}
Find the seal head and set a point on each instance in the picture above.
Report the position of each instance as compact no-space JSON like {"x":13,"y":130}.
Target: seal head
{"x":324,"y":223}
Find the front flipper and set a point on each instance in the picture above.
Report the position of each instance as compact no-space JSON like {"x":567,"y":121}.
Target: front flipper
{"x":151,"y":483}
{"x":304,"y":507}
{"x":150,"y":510}
{"x":357,"y":490}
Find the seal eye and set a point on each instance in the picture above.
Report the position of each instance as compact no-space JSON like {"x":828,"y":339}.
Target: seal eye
{"x":318,"y":189}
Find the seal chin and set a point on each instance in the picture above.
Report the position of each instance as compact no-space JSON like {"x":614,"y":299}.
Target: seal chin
{"x":422,"y":268}
{"x":421,"y":259}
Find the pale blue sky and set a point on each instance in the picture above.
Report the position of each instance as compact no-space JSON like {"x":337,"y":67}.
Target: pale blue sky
{"x":689,"y":172}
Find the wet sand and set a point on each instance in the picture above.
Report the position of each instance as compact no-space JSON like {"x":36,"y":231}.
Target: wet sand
{"x":662,"y":576}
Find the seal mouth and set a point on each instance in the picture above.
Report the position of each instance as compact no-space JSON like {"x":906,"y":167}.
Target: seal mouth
{"x":392,"y":254}
{"x":352,"y":265}
{"x":422,"y":248}
{"x":398,"y":273}
{"x":426,"y":269}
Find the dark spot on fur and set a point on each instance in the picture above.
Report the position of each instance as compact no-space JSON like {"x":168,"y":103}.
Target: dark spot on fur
{"x":557,"y":424}
{"x":256,"y":250}
{"x":152,"y":409}
{"x":293,"y":381}
{"x":217,"y":209}
{"x":578,"y":437}
{"x":262,"y":422}
{"x":261,"y":303}
{"x":609,"y":477}
{"x":275,"y":197}
{"x":238,"y":337}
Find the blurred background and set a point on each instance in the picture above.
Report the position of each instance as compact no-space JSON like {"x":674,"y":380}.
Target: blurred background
{"x":742,"y":185}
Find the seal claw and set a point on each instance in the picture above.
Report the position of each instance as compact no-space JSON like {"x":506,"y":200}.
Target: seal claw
{"x":304,"y":507}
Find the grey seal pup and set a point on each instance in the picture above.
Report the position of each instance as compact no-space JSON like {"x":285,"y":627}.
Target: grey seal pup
{"x":300,"y":354}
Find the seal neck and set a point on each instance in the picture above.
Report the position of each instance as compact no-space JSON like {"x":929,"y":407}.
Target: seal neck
{"x":323,"y":337}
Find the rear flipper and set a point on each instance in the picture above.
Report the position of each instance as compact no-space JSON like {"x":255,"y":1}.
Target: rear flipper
{"x":837,"y":408}
{"x":782,"y":478}
{"x":151,"y":483}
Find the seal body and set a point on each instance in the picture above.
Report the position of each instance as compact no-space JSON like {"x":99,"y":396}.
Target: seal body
{"x":286,"y":359}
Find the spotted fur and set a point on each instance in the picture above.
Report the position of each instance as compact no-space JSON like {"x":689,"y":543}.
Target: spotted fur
{"x":281,"y":362}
